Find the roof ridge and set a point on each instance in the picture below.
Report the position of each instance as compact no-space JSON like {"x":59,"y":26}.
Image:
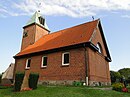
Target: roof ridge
{"x":76,"y":26}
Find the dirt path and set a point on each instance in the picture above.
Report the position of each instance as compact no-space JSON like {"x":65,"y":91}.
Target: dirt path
{"x":110,"y":88}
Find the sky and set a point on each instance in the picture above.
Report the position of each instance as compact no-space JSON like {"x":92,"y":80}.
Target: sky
{"x":61,"y":14}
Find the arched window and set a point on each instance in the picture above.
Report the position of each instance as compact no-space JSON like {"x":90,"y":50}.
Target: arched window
{"x":99,"y":47}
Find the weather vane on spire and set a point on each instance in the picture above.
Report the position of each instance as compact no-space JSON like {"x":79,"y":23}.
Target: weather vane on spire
{"x":93,"y":18}
{"x":39,"y":7}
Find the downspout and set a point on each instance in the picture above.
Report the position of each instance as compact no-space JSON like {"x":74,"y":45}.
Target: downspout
{"x":86,"y":65}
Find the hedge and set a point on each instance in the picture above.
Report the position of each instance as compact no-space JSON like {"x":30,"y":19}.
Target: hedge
{"x":18,"y":80}
{"x":33,"y":80}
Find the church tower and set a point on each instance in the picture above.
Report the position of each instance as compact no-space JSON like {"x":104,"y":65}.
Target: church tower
{"x":35,"y":28}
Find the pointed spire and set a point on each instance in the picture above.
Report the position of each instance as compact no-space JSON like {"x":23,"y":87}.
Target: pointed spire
{"x":38,"y":19}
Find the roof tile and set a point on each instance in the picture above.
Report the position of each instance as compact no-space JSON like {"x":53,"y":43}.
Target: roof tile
{"x":70,"y":36}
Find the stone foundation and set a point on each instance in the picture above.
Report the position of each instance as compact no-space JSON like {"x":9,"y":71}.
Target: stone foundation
{"x":70,"y":82}
{"x":94,"y":83}
{"x":63,"y":82}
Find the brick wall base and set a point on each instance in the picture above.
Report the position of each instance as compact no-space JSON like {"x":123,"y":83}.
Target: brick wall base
{"x":59,"y":82}
{"x":70,"y":82}
{"x":95,"y":83}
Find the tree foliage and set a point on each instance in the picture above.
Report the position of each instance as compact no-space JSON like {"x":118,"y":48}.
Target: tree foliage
{"x":115,"y":76}
{"x":128,"y":80}
{"x":125,"y":72}
{"x":121,"y":75}
{"x":0,"y":77}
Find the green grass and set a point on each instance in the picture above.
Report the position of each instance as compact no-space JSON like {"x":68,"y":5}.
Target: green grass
{"x":63,"y":91}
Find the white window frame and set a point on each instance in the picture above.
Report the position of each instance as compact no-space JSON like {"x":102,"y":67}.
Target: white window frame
{"x":63,"y":58}
{"x":42,"y":61}
{"x":27,"y":64}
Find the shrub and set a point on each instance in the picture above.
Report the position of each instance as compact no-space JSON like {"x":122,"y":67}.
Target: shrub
{"x":124,"y":90}
{"x":33,"y":79}
{"x":77,"y":83}
{"x":18,"y":81}
{"x":118,"y":86}
{"x":0,"y":77}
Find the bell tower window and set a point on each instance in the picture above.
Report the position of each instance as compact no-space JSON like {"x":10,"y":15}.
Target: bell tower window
{"x":25,"y":34}
{"x":34,"y":29}
{"x":41,"y":20}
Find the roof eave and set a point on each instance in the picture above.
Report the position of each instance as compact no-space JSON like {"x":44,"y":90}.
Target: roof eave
{"x":86,"y":44}
{"x":107,"y":59}
{"x":36,"y":24}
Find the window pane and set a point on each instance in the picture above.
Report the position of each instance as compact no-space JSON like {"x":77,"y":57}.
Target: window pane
{"x":29,"y":62}
{"x":66,"y":58}
{"x":99,"y":48}
{"x":44,"y":61}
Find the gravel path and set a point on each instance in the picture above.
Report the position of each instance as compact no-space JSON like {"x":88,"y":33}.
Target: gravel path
{"x":110,"y":88}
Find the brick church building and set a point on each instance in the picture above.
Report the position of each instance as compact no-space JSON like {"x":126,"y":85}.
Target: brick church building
{"x":78,"y":53}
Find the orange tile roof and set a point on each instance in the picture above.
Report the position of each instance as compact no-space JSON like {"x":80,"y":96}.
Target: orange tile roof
{"x":67,"y":37}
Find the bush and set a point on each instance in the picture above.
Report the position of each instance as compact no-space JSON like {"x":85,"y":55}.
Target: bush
{"x":33,"y":79}
{"x":18,"y":81}
{"x":118,"y":86}
{"x":124,"y":90}
{"x":77,"y":83}
{"x":0,"y":77}
{"x":6,"y":86}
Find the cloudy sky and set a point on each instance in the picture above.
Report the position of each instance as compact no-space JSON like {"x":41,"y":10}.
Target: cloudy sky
{"x":72,"y":8}
{"x":60,"y":14}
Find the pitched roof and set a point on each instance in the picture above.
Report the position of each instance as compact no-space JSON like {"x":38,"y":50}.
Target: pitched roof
{"x":67,"y":37}
{"x":8,"y":74}
{"x":35,"y":19}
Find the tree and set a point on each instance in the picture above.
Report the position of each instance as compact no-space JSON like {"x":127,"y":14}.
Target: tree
{"x":125,"y":72}
{"x":115,"y":76}
{"x":128,"y":80}
{"x":0,"y":77}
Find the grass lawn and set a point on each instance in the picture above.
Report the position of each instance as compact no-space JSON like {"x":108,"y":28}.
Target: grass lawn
{"x":63,"y":91}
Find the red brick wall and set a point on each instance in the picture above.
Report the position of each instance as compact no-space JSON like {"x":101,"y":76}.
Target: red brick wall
{"x":20,"y":65}
{"x":34,"y":32}
{"x":40,"y":32}
{"x":26,"y":41}
{"x":97,"y":38}
{"x":54,"y":69}
{"x":98,"y":66}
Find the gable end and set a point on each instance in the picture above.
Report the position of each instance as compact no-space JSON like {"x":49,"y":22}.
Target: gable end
{"x":108,"y":57}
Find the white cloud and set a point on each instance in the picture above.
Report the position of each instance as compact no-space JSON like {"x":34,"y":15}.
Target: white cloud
{"x":125,"y":16}
{"x":73,"y":8}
